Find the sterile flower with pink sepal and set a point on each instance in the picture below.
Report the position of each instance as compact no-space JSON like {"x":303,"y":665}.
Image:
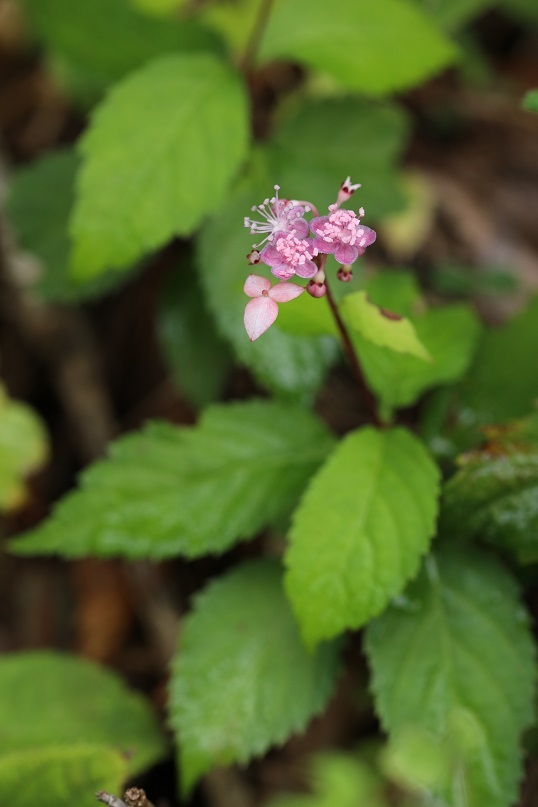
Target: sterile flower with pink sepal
{"x":341,"y":234}
{"x":262,"y":310}
{"x":289,"y":255}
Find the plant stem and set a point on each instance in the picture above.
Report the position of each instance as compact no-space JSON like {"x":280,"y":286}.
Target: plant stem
{"x":368,"y":398}
{"x":256,"y":35}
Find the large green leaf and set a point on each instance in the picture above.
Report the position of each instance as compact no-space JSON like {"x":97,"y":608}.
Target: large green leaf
{"x":382,"y":327}
{"x":199,"y":360}
{"x":51,"y":700}
{"x":170,"y":491}
{"x":360,"y":530}
{"x":41,"y":197}
{"x":24,"y":447}
{"x":291,"y":366}
{"x":242,"y":680}
{"x":455,"y":657}
{"x":341,"y":137}
{"x":494,"y":495}
{"x":376,"y":48}
{"x":449,"y":335}
{"x":92,"y":45}
{"x":54,"y":776}
{"x":159,"y":156}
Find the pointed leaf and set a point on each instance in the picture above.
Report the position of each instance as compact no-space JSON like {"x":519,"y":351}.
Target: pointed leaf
{"x":376,"y":48}
{"x":455,"y":657}
{"x":133,"y":197}
{"x":242,"y":680}
{"x":494,"y":495}
{"x":381,"y":326}
{"x":360,"y":530}
{"x":60,"y":775}
{"x":169,"y":491}
{"x":60,"y":700}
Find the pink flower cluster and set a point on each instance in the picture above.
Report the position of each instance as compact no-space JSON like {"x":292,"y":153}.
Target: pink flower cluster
{"x":288,"y":250}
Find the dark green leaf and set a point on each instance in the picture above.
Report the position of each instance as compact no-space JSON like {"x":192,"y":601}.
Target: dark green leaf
{"x":171,"y":491}
{"x":360,"y":530}
{"x":132,"y":197}
{"x":242,"y":681}
{"x":455,"y":657}
{"x":494,"y":495}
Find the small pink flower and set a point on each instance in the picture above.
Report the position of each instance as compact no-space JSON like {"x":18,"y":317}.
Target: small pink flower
{"x":341,"y":234}
{"x":280,"y":216}
{"x":262,"y":310}
{"x":290,"y":256}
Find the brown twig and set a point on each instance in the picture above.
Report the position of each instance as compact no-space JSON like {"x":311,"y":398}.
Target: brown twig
{"x":368,"y":398}
{"x":108,"y":798}
{"x":249,"y":56}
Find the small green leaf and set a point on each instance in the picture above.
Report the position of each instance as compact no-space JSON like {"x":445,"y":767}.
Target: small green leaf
{"x":199,"y":360}
{"x":449,"y":334}
{"x":289,"y":365}
{"x":52,"y":776}
{"x":40,"y":201}
{"x":169,"y":491}
{"x":338,"y":780}
{"x":494,"y":495}
{"x":24,"y":447}
{"x":455,"y":657}
{"x":132,"y":197}
{"x":55,"y":700}
{"x":242,"y":681}
{"x":360,"y":530}
{"x":92,"y":45}
{"x":326,"y":134}
{"x":381,"y":326}
{"x":376,"y":48}
{"x":530,"y":101}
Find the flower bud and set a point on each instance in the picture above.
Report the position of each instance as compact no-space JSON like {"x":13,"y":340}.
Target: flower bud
{"x":315,"y":289}
{"x":345,"y":273}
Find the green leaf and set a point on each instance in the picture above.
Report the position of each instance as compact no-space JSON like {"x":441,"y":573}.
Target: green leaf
{"x":199,"y":360}
{"x":55,"y":700}
{"x":170,"y":491}
{"x":494,"y":495}
{"x":492,"y":391}
{"x":291,"y":366}
{"x":51,"y":776}
{"x":452,"y":15}
{"x":530,"y":101}
{"x":40,"y":201}
{"x":376,"y":48}
{"x":455,"y":657}
{"x":24,"y":447}
{"x":381,"y":326}
{"x":92,"y":45}
{"x":242,"y":680}
{"x":360,"y":530}
{"x":325,"y":134}
{"x":338,"y":780}
{"x":449,"y":334}
{"x":132,"y":197}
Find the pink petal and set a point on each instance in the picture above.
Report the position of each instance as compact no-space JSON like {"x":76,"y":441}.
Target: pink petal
{"x":302,"y":228}
{"x":367,"y":237}
{"x":271,"y":256}
{"x":318,"y":223}
{"x":284,"y":292}
{"x":323,"y":246}
{"x":254,"y":285}
{"x":346,"y":253}
{"x":260,"y":314}
{"x":283,"y":272}
{"x":306,"y":269}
